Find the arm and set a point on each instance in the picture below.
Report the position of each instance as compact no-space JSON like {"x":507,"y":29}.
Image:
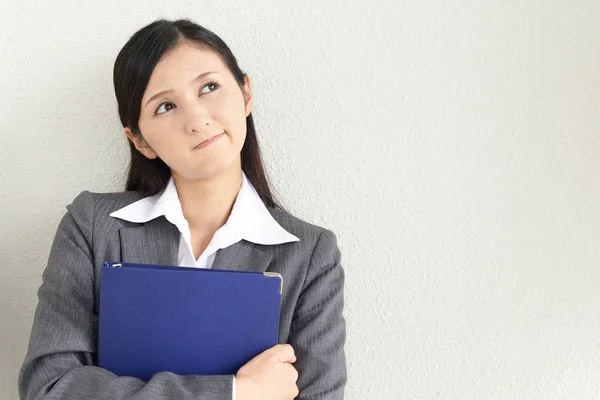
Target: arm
{"x":318,"y":331}
{"x":60,"y":361}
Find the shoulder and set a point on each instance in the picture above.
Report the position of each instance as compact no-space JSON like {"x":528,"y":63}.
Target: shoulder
{"x":101,"y":203}
{"x":87,"y":218}
{"x":89,"y":209}
{"x":309,"y":234}
{"x":317,"y":249}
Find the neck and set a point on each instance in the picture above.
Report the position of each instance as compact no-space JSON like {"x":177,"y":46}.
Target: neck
{"x":207,"y":203}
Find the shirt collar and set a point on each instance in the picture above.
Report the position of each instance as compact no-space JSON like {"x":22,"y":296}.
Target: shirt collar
{"x":249,"y":217}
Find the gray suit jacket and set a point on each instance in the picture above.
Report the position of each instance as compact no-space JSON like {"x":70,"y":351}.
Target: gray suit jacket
{"x":61,"y":359}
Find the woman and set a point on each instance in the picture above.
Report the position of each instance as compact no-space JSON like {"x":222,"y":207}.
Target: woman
{"x":196,"y":195}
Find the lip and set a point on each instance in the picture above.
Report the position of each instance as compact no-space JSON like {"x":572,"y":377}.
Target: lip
{"x":209,"y":141}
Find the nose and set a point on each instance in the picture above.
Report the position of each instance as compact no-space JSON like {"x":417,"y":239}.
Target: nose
{"x":197,"y":118}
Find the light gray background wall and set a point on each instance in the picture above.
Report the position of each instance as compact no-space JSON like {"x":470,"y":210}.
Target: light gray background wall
{"x":452,"y":146}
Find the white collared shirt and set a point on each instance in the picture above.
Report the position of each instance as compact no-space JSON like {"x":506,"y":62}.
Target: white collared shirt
{"x":249,"y":220}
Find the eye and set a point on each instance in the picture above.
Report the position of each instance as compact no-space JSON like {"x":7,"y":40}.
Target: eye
{"x":166,"y":106}
{"x":213,"y":85}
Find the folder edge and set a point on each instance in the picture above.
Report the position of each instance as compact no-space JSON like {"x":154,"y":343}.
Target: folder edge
{"x":275,"y":275}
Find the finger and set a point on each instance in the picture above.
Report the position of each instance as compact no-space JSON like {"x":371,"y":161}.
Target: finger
{"x":284,"y":353}
{"x":293,"y":372}
{"x":289,"y":354}
{"x":295,"y":392}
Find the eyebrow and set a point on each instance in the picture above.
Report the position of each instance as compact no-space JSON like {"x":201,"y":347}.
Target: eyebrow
{"x":170,"y":90}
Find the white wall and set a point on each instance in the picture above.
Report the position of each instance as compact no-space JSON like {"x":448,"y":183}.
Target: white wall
{"x":452,"y":146}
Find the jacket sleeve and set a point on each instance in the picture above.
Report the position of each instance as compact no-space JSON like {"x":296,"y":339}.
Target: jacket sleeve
{"x":318,"y":331}
{"x":60,"y":361}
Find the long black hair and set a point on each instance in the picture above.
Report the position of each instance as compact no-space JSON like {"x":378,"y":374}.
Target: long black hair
{"x":132,"y":70}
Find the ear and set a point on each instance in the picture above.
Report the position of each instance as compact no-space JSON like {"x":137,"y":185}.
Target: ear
{"x":140,"y":144}
{"x":248,"y":95}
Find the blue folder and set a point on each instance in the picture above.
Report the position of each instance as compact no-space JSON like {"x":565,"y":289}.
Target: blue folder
{"x":188,"y":321}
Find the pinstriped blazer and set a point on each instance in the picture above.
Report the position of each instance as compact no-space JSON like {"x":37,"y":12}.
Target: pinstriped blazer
{"x":61,"y":358}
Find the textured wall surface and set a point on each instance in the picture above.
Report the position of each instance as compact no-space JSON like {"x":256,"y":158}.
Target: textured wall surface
{"x":451,"y":145}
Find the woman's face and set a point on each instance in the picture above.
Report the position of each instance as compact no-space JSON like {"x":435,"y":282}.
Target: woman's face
{"x":193,"y":98}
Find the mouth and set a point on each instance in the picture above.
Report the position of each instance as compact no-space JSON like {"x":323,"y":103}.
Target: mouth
{"x":209,"y":141}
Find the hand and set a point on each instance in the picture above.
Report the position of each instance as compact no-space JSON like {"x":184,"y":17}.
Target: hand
{"x":268,"y":376}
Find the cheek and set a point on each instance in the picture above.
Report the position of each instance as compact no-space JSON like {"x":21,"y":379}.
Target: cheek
{"x":231,"y":113}
{"x":240,"y":131}
{"x":156,"y":135}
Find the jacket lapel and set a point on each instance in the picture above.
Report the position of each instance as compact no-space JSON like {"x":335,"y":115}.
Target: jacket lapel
{"x":154,"y":242}
{"x":242,"y":256}
{"x":157,"y":242}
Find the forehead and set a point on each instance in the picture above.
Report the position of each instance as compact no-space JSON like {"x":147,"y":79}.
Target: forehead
{"x":182,"y":64}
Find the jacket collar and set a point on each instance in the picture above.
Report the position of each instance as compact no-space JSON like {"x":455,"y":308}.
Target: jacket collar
{"x":249,"y":218}
{"x":155,"y":240}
